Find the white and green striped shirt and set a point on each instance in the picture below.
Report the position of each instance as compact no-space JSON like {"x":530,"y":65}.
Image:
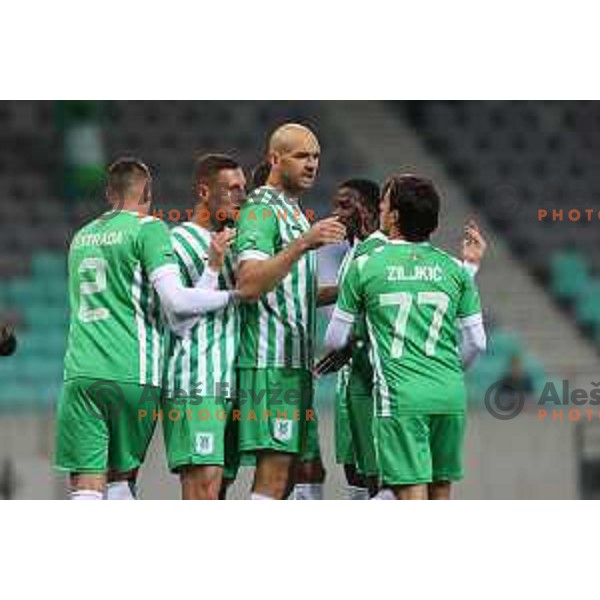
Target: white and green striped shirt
{"x":343,"y":376}
{"x":279,"y":329}
{"x":116,"y":331}
{"x":203,"y":362}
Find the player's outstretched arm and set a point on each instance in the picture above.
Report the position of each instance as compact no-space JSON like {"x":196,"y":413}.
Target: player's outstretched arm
{"x":180,"y":302}
{"x":339,"y":330}
{"x":257,"y":277}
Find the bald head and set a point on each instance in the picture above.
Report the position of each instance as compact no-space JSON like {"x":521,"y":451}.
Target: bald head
{"x":294,"y":153}
{"x":290,"y":135}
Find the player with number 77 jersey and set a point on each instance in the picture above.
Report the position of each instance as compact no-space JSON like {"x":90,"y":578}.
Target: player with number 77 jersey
{"x":424,"y":324}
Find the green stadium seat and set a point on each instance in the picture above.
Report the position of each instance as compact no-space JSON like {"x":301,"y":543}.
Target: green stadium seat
{"x":18,"y":396}
{"x":587,"y":304}
{"x":43,"y":370}
{"x":4,"y":296}
{"x":48,"y":265}
{"x":504,"y":344}
{"x":486,"y":371}
{"x":30,"y":344}
{"x":18,"y":292}
{"x":8,"y":370}
{"x":569,"y":274}
{"x":46,"y":317}
{"x":56,"y":290}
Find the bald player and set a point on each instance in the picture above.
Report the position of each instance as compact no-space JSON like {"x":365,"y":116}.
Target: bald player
{"x":275,"y":244}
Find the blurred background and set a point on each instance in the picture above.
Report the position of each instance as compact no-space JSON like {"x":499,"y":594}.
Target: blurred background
{"x":500,"y":162}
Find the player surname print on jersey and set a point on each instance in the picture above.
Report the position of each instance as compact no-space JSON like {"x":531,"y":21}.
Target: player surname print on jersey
{"x":417,"y":273}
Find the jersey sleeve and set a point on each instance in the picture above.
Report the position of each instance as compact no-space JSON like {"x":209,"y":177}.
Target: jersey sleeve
{"x":257,"y":232}
{"x":154,"y":246}
{"x":469,"y":303}
{"x":350,"y":296}
{"x":184,"y":258}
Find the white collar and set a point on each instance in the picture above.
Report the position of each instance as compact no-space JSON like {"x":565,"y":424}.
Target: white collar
{"x":278,"y":192}
{"x":407,"y":243}
{"x":129,"y":212}
{"x":203,"y":231}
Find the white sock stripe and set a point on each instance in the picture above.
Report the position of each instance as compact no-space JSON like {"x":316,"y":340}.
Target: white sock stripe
{"x":86,"y":495}
{"x":120,"y":490}
{"x":308,"y":491}
{"x":255,"y":496}
{"x":357,"y":493}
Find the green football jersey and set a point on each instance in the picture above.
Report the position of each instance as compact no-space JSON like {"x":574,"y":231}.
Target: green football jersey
{"x":279,"y":329}
{"x":115,"y":331}
{"x":412,"y":296}
{"x":358,"y":372}
{"x":202,"y":363}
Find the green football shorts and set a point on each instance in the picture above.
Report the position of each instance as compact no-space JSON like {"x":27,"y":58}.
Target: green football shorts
{"x":354,"y":414}
{"x":361,"y":416}
{"x":312,"y":449}
{"x":416,"y":449}
{"x":103,"y":425}
{"x":201,"y":431}
{"x":344,"y":449}
{"x":275,"y":409}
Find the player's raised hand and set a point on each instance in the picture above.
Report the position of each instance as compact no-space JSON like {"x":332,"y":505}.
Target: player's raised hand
{"x":474,"y":244}
{"x":326,"y":231}
{"x":219,"y":245}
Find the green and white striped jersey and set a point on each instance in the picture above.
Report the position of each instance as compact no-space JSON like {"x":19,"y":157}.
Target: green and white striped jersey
{"x":203,"y":362}
{"x":358,"y":371}
{"x":279,"y":329}
{"x":116,"y":330}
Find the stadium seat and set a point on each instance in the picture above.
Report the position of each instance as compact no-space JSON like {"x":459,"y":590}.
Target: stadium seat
{"x":45,"y":318}
{"x":546,"y":153}
{"x":48,"y":265}
{"x":569,"y":274}
{"x":587,"y":304}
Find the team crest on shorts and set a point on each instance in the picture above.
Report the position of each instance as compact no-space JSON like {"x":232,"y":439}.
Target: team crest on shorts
{"x":205,"y":443}
{"x":283,"y":429}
